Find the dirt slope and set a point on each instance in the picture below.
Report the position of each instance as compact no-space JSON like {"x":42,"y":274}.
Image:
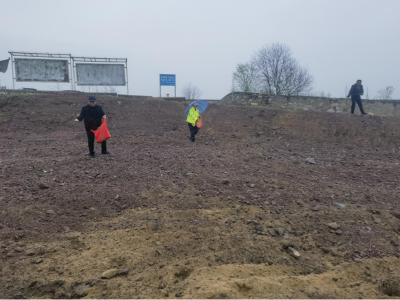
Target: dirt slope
{"x":214,"y":219}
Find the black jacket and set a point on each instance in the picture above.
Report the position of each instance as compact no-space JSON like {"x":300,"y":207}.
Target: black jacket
{"x":354,"y":91}
{"x":92,"y":116}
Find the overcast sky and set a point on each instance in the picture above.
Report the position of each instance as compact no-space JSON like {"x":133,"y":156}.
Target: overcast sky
{"x":201,"y":41}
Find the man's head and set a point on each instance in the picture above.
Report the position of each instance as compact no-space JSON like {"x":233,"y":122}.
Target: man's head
{"x":359,"y":82}
{"x":92,"y":101}
{"x":196,"y":106}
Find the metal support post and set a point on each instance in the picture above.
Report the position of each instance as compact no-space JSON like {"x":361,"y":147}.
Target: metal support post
{"x":12,"y":69}
{"x":71,"y":77}
{"x":127,"y":81}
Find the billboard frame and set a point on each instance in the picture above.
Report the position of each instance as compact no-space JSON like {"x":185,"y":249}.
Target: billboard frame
{"x":104,"y":60}
{"x":41,"y":55}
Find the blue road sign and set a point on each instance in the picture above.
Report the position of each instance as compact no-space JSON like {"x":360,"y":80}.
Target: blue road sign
{"x":167,"y":79}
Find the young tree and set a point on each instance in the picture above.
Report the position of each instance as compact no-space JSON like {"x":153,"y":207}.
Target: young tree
{"x":386,"y":93}
{"x":245,"y":79}
{"x":280,"y":73}
{"x":191,"y":92}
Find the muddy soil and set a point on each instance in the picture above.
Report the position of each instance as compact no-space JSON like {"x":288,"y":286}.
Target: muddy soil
{"x":240,"y":213}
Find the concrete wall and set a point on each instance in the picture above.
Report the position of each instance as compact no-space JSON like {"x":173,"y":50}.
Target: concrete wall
{"x":335,"y":105}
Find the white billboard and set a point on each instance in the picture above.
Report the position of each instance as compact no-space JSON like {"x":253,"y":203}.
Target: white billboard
{"x":41,"y":70}
{"x":100,"y":74}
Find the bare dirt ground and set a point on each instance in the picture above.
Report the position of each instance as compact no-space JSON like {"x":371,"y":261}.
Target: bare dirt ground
{"x":223,"y":217}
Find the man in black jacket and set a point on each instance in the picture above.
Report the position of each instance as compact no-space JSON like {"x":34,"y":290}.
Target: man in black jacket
{"x":92,"y":115}
{"x":356,"y":92}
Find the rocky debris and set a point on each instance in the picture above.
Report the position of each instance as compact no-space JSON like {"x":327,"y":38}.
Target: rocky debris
{"x":109,"y":274}
{"x":189,"y":174}
{"x":293,"y":252}
{"x":37,"y":261}
{"x":340,"y":205}
{"x":251,"y":185}
{"x":51,"y":212}
{"x":395,"y":242}
{"x":30,"y":252}
{"x":376,"y":219}
{"x":80,"y":291}
{"x":139,"y":279}
{"x":18,"y":295}
{"x":122,"y":272}
{"x":225,"y":181}
{"x":317,"y":208}
{"x":183,"y":273}
{"x":333,"y":225}
{"x":41,"y":251}
{"x":178,"y":295}
{"x":280,"y":231}
{"x":287,"y":243}
{"x":338,"y":232}
{"x":43,"y":186}
{"x":325,"y":250}
{"x":395,"y":214}
{"x":310,"y":160}
{"x":19,"y":249}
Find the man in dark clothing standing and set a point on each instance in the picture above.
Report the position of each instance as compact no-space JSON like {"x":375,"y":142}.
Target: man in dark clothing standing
{"x":92,"y":115}
{"x":356,"y":92}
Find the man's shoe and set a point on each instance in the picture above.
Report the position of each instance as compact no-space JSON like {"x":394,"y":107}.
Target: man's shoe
{"x":105,"y":152}
{"x":91,"y":155}
{"x":364,"y":114}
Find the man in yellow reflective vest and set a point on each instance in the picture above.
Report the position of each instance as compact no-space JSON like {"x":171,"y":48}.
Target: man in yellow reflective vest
{"x":192,"y":118}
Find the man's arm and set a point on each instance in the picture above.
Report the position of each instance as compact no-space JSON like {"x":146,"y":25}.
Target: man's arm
{"x":350,"y":92}
{"x":362,"y":90}
{"x":102,"y":114}
{"x":81,"y":116}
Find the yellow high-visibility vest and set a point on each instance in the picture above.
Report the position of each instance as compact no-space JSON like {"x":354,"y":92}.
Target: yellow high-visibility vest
{"x":193,"y":116}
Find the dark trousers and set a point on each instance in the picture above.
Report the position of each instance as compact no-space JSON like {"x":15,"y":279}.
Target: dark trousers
{"x":354,"y":99}
{"x":91,"y":138}
{"x":193,"y":131}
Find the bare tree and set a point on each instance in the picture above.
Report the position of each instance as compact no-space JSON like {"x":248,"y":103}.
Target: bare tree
{"x":245,"y":79}
{"x":280,"y":73}
{"x":191,"y":92}
{"x":386,"y":93}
